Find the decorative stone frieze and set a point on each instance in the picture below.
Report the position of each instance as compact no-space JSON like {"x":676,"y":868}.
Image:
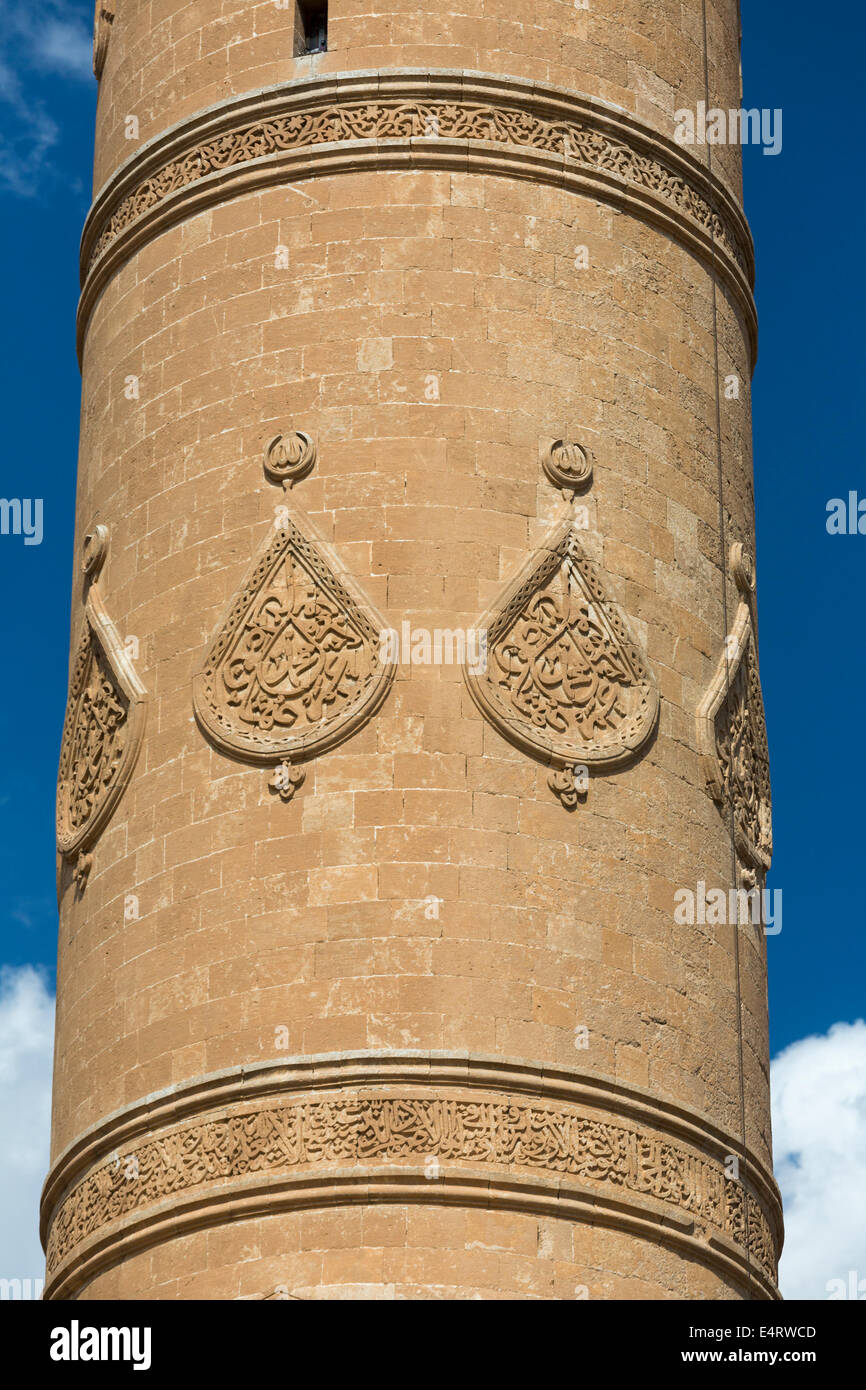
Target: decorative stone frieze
{"x":344,"y":1120}
{"x":393,"y":120}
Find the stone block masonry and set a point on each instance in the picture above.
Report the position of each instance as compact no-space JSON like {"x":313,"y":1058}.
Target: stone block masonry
{"x":369,"y":981}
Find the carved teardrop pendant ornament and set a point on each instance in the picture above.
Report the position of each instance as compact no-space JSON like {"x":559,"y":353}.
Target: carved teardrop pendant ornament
{"x":564,"y":680}
{"x":296,"y":666}
{"x":104,"y":724}
{"x":732,"y":732}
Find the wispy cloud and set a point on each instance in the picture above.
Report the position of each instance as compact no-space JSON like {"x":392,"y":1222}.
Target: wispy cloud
{"x":65,"y":47}
{"x":819,"y":1138}
{"x":26,"y":1042}
{"x":23,"y":154}
{"x":37,"y":44}
{"x":30,"y":912}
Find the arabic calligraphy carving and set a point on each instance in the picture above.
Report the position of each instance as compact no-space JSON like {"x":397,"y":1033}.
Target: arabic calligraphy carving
{"x":732,"y":731}
{"x":567,"y":465}
{"x":367,"y":1128}
{"x":103,"y":728}
{"x":290,"y":457}
{"x":295,"y":666}
{"x":564,"y":680}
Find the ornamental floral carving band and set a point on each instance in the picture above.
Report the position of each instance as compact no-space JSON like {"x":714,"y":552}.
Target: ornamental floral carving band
{"x":528,"y":121}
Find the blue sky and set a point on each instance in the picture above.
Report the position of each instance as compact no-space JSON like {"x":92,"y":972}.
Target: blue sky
{"x":807,"y":216}
{"x":807,"y":213}
{"x":47,"y":103}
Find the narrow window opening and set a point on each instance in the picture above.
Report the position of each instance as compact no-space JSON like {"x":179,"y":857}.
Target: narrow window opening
{"x":311,"y":27}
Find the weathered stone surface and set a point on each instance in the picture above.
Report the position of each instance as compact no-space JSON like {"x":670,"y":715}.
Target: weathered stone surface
{"x":421,"y":313}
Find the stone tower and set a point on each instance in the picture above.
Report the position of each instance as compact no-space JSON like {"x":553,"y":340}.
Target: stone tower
{"x":414,"y":681}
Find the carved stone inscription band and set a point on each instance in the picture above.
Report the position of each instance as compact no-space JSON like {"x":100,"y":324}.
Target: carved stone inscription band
{"x":332,"y":1134}
{"x":395,"y":120}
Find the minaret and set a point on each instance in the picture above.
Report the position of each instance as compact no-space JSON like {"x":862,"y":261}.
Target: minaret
{"x":414,"y":771}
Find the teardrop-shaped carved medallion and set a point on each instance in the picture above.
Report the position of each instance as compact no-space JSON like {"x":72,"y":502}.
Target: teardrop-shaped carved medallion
{"x":565,"y":680}
{"x":295,"y":667}
{"x":732,"y":732}
{"x":104,"y":725}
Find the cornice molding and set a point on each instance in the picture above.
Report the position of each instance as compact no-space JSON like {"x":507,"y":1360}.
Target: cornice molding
{"x":394,"y":119}
{"x":366,"y":1127}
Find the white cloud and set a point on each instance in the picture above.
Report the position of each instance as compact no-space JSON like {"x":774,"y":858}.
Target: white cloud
{"x":49,"y":41}
{"x":26,"y":1044}
{"x":819,"y":1140}
{"x":23,"y":159}
{"x":63,"y":46}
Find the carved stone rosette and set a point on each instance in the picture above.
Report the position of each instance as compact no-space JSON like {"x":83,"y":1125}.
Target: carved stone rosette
{"x":104,"y":725}
{"x":565,"y":681}
{"x":732,"y":731}
{"x":296,"y":666}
